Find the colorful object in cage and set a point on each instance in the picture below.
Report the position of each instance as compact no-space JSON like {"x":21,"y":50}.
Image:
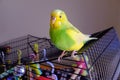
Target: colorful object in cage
{"x":53,"y":76}
{"x":36,"y":47}
{"x":35,"y":67}
{"x":42,"y":78}
{"x":36,"y":51}
{"x":81,"y":64}
{"x":29,"y":72}
{"x":6,"y":73}
{"x":19,"y":70}
{"x":8,"y":50}
{"x":32,"y":56}
{"x":5,"y":49}
{"x":19,"y":53}
{"x":35,"y":57}
{"x":64,"y":35}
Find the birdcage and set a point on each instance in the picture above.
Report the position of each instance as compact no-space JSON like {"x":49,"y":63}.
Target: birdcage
{"x":97,"y":60}
{"x":24,"y":44}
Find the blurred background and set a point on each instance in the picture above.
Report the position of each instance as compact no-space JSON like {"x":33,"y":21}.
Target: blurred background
{"x":22,"y":17}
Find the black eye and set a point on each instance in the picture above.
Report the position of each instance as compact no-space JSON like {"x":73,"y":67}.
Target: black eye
{"x":60,"y":16}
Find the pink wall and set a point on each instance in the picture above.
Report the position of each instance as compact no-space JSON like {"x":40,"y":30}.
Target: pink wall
{"x":22,"y":17}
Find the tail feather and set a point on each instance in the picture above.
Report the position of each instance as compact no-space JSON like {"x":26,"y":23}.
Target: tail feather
{"x":88,"y":38}
{"x":91,"y":38}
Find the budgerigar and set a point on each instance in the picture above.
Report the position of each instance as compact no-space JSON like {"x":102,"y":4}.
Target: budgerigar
{"x":64,"y":35}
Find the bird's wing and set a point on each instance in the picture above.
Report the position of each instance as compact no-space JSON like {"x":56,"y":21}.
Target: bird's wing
{"x":75,"y":34}
{"x":73,"y":28}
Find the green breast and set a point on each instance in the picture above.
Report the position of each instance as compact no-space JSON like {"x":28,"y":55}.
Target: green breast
{"x":61,"y":39}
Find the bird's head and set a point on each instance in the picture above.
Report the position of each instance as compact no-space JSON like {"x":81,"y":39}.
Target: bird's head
{"x":57,"y":18}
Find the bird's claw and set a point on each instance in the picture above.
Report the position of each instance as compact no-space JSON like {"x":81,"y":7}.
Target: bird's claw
{"x":59,"y":58}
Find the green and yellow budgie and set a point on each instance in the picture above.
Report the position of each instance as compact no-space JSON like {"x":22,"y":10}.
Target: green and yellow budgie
{"x":64,"y":35}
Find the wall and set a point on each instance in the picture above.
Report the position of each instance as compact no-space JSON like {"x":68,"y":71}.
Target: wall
{"x":119,"y":16}
{"x":119,"y":20}
{"x":22,"y":17}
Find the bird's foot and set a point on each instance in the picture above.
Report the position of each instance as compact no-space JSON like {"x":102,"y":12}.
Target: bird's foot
{"x":60,"y":57}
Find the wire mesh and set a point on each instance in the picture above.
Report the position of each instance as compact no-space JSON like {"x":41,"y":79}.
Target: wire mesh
{"x":102,"y":62}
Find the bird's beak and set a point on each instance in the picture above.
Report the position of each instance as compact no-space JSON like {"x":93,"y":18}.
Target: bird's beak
{"x":53,"y":19}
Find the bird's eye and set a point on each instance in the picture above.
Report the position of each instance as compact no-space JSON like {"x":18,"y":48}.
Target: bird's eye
{"x":60,"y":16}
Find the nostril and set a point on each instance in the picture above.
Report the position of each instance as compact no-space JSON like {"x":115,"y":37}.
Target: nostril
{"x":52,"y":18}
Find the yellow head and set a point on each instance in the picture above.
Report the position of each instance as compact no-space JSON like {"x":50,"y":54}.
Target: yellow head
{"x":57,"y":18}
